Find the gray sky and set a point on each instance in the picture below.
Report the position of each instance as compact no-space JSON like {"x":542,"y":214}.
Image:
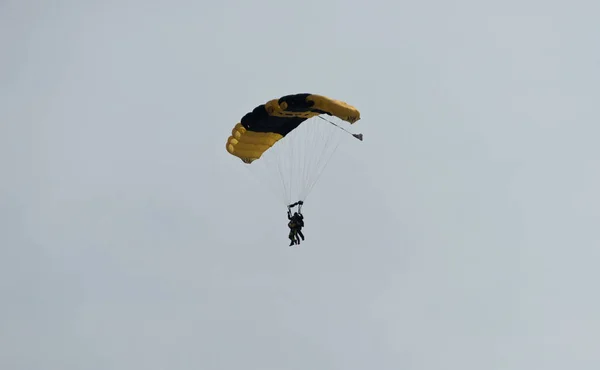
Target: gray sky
{"x":463,"y":238}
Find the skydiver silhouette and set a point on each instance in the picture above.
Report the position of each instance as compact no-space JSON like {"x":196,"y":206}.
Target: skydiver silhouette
{"x":296,"y":224}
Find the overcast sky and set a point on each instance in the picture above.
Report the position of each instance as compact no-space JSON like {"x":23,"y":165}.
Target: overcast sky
{"x":461,"y":234}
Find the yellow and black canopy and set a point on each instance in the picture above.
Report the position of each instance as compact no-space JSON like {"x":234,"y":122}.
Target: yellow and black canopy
{"x":268,"y":123}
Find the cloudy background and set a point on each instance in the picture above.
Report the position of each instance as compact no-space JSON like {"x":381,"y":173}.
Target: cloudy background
{"x":464,"y":235}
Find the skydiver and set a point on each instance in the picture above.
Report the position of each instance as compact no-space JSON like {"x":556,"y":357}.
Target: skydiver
{"x":293,"y":235}
{"x":296,"y":224}
{"x":299,"y":221}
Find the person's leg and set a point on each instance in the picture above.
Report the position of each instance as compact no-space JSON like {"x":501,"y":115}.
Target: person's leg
{"x":300,"y":233}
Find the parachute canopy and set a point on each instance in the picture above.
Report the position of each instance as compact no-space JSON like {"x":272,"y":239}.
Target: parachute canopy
{"x":268,"y":123}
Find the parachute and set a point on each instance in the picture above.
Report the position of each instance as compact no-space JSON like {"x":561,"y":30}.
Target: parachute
{"x":287,"y":142}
